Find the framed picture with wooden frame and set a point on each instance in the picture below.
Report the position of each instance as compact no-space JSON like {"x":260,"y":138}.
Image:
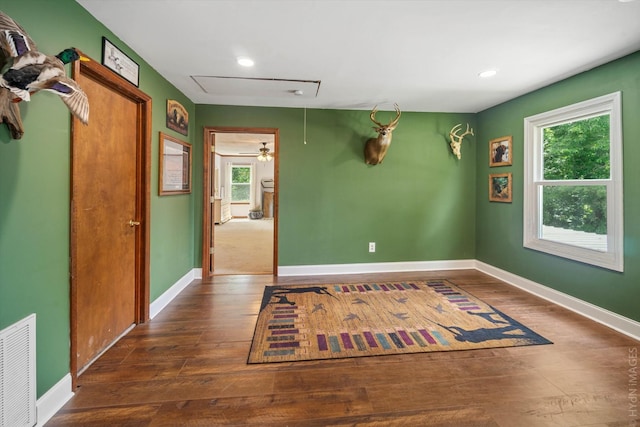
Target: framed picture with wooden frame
{"x":177,"y":117}
{"x":500,"y":151}
{"x":175,"y":166}
{"x":500,"y":187}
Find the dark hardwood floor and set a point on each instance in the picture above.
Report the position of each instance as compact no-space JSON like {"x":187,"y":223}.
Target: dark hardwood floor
{"x":187,"y":367}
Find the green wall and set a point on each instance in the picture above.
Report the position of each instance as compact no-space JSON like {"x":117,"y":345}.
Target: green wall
{"x":500,"y":226}
{"x":421,"y":204}
{"x":418,"y":205}
{"x":35,"y":188}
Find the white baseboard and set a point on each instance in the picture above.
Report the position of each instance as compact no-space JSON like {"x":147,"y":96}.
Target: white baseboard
{"x":59,"y":394}
{"x":163,"y":300}
{"x":54,"y":399}
{"x":601,"y":315}
{"x":381,"y":267}
{"x":608,"y":318}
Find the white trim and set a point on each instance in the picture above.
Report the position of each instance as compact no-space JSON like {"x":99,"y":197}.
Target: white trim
{"x":163,"y":300}
{"x":381,"y":267}
{"x":53,"y":400}
{"x":56,"y":397}
{"x":601,"y":315}
{"x":253,"y":186}
{"x":613,"y":257}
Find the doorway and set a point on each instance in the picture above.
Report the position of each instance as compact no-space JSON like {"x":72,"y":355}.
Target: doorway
{"x":110,"y":208}
{"x":241,"y":147}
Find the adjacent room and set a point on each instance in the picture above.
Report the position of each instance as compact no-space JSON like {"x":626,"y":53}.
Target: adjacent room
{"x":313,"y":213}
{"x":243,"y":211}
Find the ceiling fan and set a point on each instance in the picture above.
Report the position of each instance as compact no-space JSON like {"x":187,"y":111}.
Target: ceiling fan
{"x":265,"y":155}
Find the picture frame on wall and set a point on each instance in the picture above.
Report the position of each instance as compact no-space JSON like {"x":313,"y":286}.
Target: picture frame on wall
{"x":501,"y":151}
{"x":500,"y":185}
{"x":116,"y":60}
{"x":177,"y":117}
{"x":175,"y":166}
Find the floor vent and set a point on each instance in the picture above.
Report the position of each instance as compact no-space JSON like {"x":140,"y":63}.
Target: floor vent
{"x":18,"y":374}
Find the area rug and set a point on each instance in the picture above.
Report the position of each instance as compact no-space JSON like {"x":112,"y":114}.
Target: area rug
{"x":303,"y":322}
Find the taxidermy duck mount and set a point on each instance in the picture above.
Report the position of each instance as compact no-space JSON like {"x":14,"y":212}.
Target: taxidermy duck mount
{"x":24,"y":70}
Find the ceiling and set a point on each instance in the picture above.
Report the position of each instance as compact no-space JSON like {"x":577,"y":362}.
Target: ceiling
{"x":243,"y":144}
{"x":355,"y":54}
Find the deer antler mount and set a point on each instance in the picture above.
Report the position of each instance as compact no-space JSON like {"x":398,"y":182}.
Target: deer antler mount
{"x":456,"y":140}
{"x":376,"y":148}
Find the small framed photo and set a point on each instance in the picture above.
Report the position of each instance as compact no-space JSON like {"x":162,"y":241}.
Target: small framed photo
{"x":119,"y":62}
{"x":175,"y":166}
{"x":500,"y":151}
{"x":500,"y":187}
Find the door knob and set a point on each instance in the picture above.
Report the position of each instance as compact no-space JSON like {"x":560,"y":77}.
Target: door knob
{"x":133,"y":223}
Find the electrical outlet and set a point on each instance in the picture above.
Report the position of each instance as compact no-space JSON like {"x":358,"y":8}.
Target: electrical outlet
{"x":372,"y":246}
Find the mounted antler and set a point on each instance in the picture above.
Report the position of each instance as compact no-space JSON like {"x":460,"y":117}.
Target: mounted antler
{"x":376,"y":148}
{"x":456,"y":140}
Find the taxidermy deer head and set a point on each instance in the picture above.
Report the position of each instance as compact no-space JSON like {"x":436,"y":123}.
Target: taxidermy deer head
{"x":376,"y":148}
{"x":456,"y":140}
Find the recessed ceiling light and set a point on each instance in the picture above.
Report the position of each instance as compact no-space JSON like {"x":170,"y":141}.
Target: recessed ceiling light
{"x":245,"y":62}
{"x":488,"y":73}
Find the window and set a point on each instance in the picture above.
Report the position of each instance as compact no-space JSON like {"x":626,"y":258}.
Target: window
{"x":240,"y":183}
{"x":573,"y":182}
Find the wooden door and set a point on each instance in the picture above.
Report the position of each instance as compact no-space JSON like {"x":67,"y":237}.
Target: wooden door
{"x":109,"y":217}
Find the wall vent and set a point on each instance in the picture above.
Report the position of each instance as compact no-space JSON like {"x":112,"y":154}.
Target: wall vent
{"x":18,"y":374}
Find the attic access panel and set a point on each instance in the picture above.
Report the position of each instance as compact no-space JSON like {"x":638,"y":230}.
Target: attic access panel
{"x":261,"y":87}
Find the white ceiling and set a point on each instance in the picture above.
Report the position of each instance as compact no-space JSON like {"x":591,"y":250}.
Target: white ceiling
{"x":424,"y":55}
{"x":242,"y":144}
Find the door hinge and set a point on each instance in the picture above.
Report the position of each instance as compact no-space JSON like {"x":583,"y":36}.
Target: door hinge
{"x":212,"y":251}
{"x":213,"y":199}
{"x":213,"y":148}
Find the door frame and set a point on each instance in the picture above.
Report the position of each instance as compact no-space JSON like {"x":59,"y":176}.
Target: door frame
{"x":106,"y":77}
{"x":208,"y":171}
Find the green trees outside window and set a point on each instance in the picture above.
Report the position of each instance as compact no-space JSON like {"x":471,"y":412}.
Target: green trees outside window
{"x":240,"y":183}
{"x":577,"y":150}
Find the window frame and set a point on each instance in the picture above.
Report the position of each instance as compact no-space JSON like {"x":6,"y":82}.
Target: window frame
{"x":534,"y":181}
{"x":248,"y":184}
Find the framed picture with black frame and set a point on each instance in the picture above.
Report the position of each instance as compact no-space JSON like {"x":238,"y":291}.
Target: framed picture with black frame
{"x":116,"y":60}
